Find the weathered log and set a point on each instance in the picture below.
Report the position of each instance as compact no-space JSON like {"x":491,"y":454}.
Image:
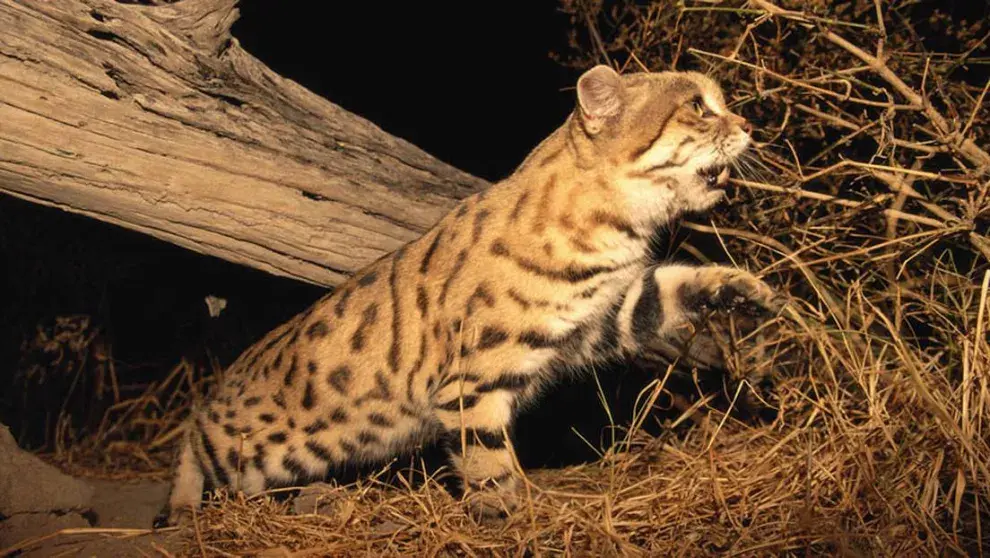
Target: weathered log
{"x":155,"y":119}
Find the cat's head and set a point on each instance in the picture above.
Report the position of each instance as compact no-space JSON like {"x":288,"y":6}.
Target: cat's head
{"x":668,"y":138}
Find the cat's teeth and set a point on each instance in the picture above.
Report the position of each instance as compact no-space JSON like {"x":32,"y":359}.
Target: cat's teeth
{"x":723,"y":177}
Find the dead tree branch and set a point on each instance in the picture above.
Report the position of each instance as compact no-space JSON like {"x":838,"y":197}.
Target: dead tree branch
{"x":155,"y":119}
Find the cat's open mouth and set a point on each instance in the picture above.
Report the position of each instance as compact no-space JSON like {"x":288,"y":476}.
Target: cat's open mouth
{"x":715,"y":175}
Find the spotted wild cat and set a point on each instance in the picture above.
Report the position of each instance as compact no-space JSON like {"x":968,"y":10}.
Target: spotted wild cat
{"x":543,"y":272}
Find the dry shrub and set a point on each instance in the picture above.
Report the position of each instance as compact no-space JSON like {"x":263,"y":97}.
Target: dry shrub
{"x":95,"y":421}
{"x":135,"y":435}
{"x":65,"y":374}
{"x":89,"y":413}
{"x":868,"y":200}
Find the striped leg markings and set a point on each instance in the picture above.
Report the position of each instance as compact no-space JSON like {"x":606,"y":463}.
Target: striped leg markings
{"x":477,"y":447}
{"x":462,"y":440}
{"x":647,"y":313}
{"x":668,"y":299}
{"x":217,"y":473}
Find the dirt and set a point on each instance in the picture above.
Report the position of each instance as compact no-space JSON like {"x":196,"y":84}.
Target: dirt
{"x":44,"y":512}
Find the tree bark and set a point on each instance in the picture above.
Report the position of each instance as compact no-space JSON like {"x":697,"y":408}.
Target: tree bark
{"x":154,"y":118}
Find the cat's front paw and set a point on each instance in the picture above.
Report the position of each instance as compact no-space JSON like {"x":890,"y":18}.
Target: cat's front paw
{"x":490,"y":502}
{"x":728,"y":290}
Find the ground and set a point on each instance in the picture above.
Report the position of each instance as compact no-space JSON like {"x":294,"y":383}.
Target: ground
{"x":92,"y":516}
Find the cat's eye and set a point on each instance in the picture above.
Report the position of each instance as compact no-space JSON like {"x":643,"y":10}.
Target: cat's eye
{"x":700,"y":108}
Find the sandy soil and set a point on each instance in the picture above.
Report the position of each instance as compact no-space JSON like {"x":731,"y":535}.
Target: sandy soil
{"x":114,"y":506}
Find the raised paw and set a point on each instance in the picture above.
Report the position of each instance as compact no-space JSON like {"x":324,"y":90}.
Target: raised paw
{"x":730,"y":290}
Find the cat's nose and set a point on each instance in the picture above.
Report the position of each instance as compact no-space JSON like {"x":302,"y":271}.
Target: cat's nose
{"x":743,"y":124}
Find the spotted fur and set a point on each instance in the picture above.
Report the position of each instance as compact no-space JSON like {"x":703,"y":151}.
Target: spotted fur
{"x":444,"y":339}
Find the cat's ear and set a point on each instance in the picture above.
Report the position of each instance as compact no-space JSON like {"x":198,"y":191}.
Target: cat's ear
{"x":599,"y":92}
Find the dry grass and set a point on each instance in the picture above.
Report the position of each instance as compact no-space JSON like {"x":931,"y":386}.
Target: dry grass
{"x":868,"y":201}
{"x":865,"y":459}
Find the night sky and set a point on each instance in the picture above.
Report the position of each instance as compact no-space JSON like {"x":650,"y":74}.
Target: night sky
{"x":474,"y":87}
